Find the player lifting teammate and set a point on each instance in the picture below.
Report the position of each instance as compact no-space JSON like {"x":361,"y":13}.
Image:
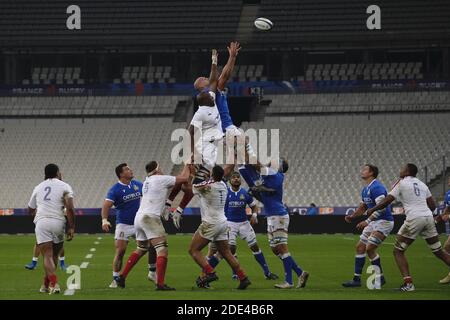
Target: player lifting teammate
{"x":214,"y":228}
{"x":150,"y":231}
{"x":235,"y":210}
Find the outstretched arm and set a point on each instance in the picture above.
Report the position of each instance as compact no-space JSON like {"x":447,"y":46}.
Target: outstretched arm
{"x":233,"y":51}
{"x":383,"y":204}
{"x":213,"y":76}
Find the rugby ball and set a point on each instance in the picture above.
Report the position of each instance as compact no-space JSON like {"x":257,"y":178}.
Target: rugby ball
{"x":263,"y":24}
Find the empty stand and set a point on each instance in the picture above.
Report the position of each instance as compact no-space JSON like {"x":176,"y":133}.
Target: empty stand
{"x":325,"y":152}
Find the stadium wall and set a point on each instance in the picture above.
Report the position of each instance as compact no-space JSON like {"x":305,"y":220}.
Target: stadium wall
{"x":298,"y":224}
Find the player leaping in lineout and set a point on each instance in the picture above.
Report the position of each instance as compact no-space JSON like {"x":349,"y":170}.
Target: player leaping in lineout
{"x":215,"y":84}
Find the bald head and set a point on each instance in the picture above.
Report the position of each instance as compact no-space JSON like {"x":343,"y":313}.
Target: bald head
{"x":201,"y":83}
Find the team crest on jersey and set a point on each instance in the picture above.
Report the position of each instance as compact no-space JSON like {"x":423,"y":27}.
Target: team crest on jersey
{"x":242,"y":197}
{"x":136,"y":188}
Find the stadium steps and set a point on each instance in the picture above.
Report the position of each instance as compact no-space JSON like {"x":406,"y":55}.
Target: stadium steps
{"x":245,"y":27}
{"x":181,"y":110}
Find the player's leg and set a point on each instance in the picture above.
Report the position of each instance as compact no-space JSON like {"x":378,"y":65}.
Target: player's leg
{"x":187,"y":196}
{"x":162,"y":252}
{"x":50,"y":280}
{"x":277,"y":227}
{"x":401,"y":245}
{"x":436,"y":247}
{"x":446,"y":280}
{"x":141,"y":250}
{"x":224,"y":249}
{"x":248,"y":234}
{"x":213,"y":256}
{"x":375,"y":240}
{"x":360,"y":260}
{"x":62,"y":260}
{"x":34,"y":261}
{"x":151,"y":264}
{"x":195,"y":251}
{"x":120,"y":246}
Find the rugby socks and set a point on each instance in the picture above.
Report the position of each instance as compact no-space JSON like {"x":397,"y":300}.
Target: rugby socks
{"x":34,"y":262}
{"x":62,"y":262}
{"x":161,"y":267}
{"x":259,"y":257}
{"x":377,"y":262}
{"x":52,"y":280}
{"x":213,"y":261}
{"x":46,"y":282}
{"x":208,"y":269}
{"x":407,"y":279}
{"x":360,"y":260}
{"x":115,"y":274}
{"x":241,"y":274}
{"x":287,"y":268}
{"x":295,"y":266}
{"x":132,"y":260}
{"x":152,"y":266}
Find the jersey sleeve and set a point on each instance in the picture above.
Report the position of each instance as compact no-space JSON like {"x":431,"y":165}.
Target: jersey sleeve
{"x":197,"y":119}
{"x":249,"y":200}
{"x":428,"y":193}
{"x":32,"y":203}
{"x":447,"y":199}
{"x":396,"y":191}
{"x":378,"y":194}
{"x":169,"y":181}
{"x":68,"y":191}
{"x":111,"y":196}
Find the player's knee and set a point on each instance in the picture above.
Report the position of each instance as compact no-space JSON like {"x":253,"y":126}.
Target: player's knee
{"x":373,"y":242}
{"x":161,"y":248}
{"x":400,"y":247}
{"x":141,"y":248}
{"x":435,"y":247}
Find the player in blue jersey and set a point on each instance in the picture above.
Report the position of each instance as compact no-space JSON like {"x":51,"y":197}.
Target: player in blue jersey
{"x":125,"y":196}
{"x":375,"y":229}
{"x":235,"y":210}
{"x":271,"y":177}
{"x":445,"y":217}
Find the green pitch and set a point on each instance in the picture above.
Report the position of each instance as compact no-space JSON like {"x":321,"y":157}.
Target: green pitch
{"x":328,"y":258}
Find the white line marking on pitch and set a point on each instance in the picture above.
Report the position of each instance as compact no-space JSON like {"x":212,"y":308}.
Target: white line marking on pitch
{"x":89,"y":256}
{"x":84,"y":265}
{"x":69,"y":292}
{"x":92,"y":249}
{"x":96,"y":242}
{"x":99,"y":238}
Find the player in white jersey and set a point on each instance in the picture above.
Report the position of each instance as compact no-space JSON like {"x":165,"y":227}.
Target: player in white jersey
{"x":150,"y":231}
{"x":47,"y":204}
{"x":205,"y":128}
{"x":214,"y":228}
{"x":419,"y":205}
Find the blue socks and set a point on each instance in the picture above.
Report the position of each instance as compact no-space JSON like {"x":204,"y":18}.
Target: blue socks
{"x":377,"y":262}
{"x":213,"y":261}
{"x":289,"y":264}
{"x":360,"y":259}
{"x":259,"y":257}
